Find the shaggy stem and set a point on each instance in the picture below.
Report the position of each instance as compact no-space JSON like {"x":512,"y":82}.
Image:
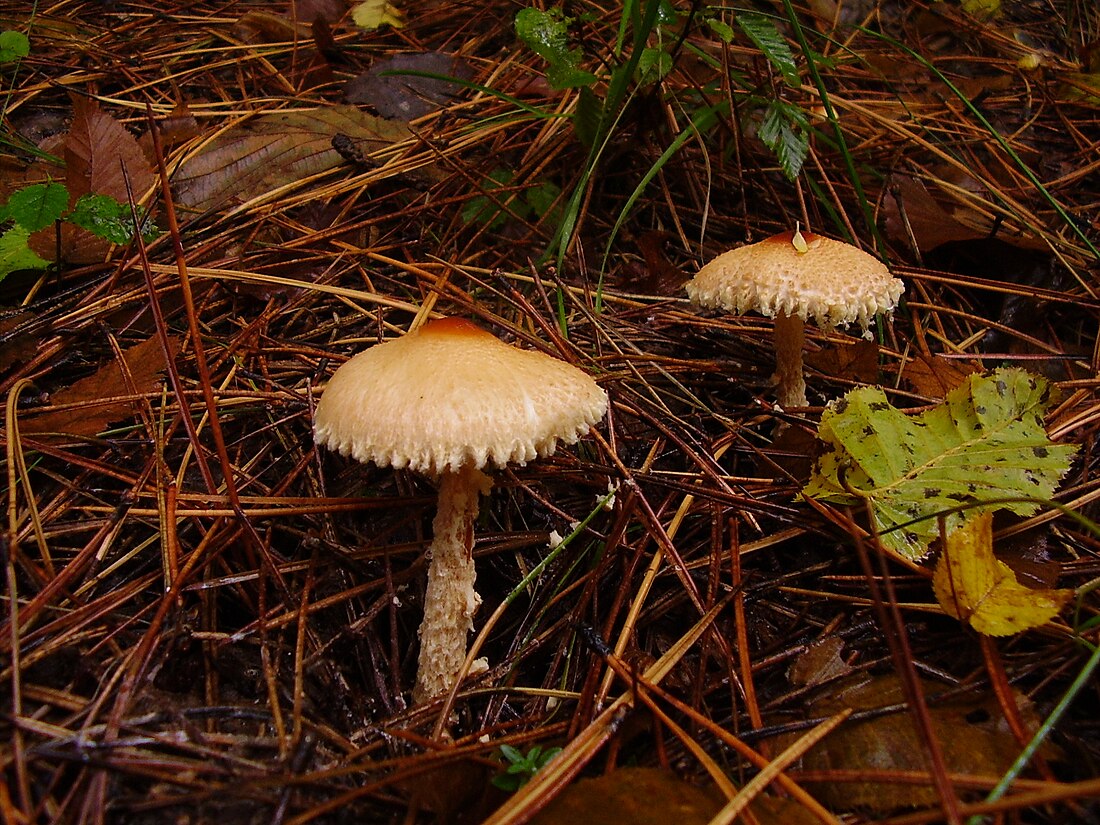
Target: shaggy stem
{"x":790,"y":335}
{"x":450,"y":601}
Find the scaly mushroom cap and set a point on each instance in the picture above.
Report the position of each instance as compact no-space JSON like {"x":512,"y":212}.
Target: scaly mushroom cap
{"x":832,"y":283}
{"x":452,"y":395}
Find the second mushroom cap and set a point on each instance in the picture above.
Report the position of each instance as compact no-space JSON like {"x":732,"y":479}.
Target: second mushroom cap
{"x":831,"y":283}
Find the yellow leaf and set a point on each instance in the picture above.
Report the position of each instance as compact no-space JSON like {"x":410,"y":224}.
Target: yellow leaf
{"x":374,"y":14}
{"x":974,"y":586}
{"x":982,"y":8}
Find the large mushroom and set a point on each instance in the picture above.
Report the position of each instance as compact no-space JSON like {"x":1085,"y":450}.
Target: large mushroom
{"x":446,"y":401}
{"x":796,"y":277}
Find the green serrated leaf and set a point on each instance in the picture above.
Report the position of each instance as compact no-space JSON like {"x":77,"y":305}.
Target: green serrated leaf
{"x":15,"y":254}
{"x":762,"y":31}
{"x":653,"y":65}
{"x":783,"y":130}
{"x":984,"y":444}
{"x":104,"y":217}
{"x":588,"y":117}
{"x":13,"y":46}
{"x":546,"y":33}
{"x":720,"y":28}
{"x":37,"y":206}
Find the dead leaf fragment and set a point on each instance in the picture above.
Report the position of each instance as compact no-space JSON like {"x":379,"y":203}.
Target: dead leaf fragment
{"x":934,"y":376}
{"x":974,"y":586}
{"x":972,"y":732}
{"x":651,"y":796}
{"x":820,"y":662}
{"x":274,"y":150}
{"x":854,"y":361}
{"x":394,"y":93}
{"x":96,"y":410}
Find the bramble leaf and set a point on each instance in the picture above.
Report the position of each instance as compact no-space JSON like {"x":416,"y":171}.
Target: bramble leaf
{"x":15,"y":254}
{"x":984,"y":446}
{"x":546,"y":33}
{"x":37,"y":206}
{"x":13,"y":46}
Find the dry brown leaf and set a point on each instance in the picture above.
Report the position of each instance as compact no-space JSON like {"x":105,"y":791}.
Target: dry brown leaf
{"x":913,"y":215}
{"x":932,"y":376}
{"x":274,"y":150}
{"x":100,"y":154}
{"x":651,"y":796}
{"x":820,"y":662}
{"x":973,"y":734}
{"x":855,"y":361}
{"x":974,"y":586}
{"x":409,"y":96}
{"x":144,"y":363}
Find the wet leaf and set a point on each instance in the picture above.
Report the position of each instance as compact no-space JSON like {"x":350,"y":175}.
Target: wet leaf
{"x":37,"y":206}
{"x":15,"y":254}
{"x":650,"y":796}
{"x":854,"y":361}
{"x":546,"y":33}
{"x":144,"y":363}
{"x":985,"y":443}
{"x":914,"y":216}
{"x":972,"y":733}
{"x":933,"y":376}
{"x":13,"y":46}
{"x":374,"y":14}
{"x":974,"y":586}
{"x":394,"y":93}
{"x":820,"y":662}
{"x":100,"y":153}
{"x":277,"y":149}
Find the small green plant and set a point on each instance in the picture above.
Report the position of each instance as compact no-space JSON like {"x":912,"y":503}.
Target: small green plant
{"x":521,"y":767}
{"x":13,"y":46}
{"x":41,"y":205}
{"x":502,"y":198}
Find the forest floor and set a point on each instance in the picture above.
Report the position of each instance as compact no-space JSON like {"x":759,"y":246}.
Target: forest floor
{"x":208,"y":618}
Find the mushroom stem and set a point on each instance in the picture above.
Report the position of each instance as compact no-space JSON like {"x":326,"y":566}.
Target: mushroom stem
{"x":450,"y":600}
{"x":790,"y":335}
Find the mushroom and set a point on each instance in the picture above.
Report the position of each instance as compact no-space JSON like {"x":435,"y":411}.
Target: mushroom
{"x":795,"y":277}
{"x":446,"y":401}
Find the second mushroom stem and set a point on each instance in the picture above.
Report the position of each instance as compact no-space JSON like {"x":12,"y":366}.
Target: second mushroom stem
{"x":790,"y":336}
{"x":450,"y":600}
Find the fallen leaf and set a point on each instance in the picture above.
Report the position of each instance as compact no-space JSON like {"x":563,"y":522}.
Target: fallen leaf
{"x":819,"y":662}
{"x":144,"y":363}
{"x":408,"y":96}
{"x":651,"y":796}
{"x":985,"y":446}
{"x":374,"y":14}
{"x":912,"y":215}
{"x":972,"y":733}
{"x":855,"y":361}
{"x":933,"y":376}
{"x":974,"y":586}
{"x":100,"y":155}
{"x":273,"y":150}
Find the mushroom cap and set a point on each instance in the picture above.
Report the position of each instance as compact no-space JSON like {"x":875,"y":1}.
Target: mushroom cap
{"x":832,"y":283}
{"x":452,"y":395}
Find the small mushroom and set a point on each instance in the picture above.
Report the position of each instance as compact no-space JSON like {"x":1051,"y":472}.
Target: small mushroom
{"x":446,"y":401}
{"x":795,"y":277}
